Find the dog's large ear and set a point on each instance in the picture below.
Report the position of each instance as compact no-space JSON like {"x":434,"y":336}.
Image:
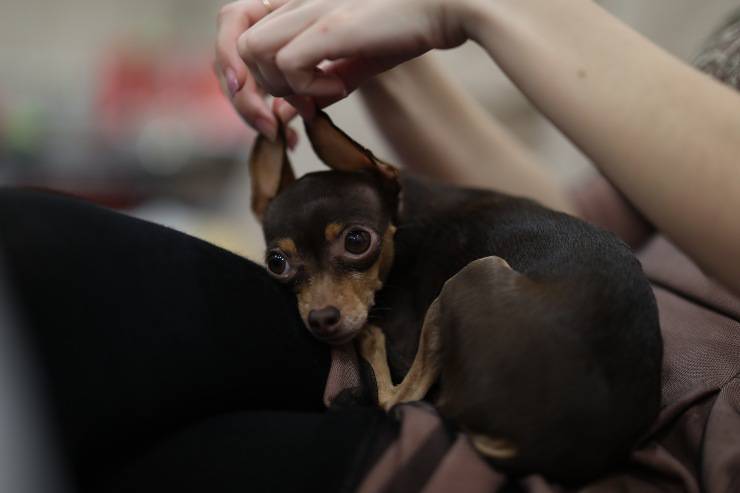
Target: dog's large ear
{"x":270,"y":171}
{"x":340,"y":152}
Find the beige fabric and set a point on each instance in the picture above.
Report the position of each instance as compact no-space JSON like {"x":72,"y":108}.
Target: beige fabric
{"x":420,"y":432}
{"x":462,"y":470}
{"x":668,"y":267}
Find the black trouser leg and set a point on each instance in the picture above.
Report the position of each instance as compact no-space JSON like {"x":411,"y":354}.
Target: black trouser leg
{"x":259,"y":452}
{"x":142,"y":331}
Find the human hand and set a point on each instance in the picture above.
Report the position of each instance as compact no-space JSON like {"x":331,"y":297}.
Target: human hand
{"x":248,"y":98}
{"x":324,"y":49}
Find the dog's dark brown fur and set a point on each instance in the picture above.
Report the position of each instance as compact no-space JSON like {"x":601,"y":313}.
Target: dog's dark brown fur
{"x":540,"y":329}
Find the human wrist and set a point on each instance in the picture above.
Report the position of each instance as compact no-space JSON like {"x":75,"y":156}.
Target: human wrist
{"x":485,"y":21}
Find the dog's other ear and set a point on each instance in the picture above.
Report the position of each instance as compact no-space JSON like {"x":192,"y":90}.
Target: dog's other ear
{"x":340,"y":152}
{"x":270,"y":171}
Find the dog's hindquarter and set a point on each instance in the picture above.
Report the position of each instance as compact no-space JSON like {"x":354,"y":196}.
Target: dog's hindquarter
{"x":536,"y":369}
{"x":560,"y":356}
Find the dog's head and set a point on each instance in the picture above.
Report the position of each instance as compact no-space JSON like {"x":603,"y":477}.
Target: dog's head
{"x":329,"y":235}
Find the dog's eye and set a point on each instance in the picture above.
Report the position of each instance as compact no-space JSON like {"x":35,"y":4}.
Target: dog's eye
{"x":357,"y":241}
{"x":277,"y":263}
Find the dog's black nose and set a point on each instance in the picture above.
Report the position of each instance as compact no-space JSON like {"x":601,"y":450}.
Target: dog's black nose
{"x":323,"y":321}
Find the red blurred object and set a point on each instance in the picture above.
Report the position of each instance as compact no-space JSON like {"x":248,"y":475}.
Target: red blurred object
{"x":138,"y":86}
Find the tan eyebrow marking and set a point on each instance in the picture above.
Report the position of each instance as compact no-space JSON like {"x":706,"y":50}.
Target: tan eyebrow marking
{"x":288,"y":246}
{"x":332,"y":231}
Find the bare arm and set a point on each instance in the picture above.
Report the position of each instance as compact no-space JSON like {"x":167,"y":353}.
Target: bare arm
{"x":666,"y":135}
{"x":439,"y":130}
{"x":434,"y":126}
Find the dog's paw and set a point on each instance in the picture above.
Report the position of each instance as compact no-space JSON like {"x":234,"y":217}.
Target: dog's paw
{"x":387,"y":398}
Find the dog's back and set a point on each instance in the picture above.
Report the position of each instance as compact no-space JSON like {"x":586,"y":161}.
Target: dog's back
{"x":561,"y":353}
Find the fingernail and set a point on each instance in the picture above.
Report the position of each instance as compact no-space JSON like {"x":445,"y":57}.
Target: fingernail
{"x":232,"y":84}
{"x":266,"y":128}
{"x":285,"y":112}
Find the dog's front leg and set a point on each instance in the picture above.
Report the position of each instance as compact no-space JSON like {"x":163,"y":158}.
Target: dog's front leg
{"x":424,"y":370}
{"x":371,"y":344}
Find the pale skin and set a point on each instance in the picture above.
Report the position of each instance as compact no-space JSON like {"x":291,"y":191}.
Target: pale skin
{"x":663,"y":133}
{"x":413,"y":106}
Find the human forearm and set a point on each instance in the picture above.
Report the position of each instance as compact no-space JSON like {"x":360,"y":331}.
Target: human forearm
{"x":439,"y":130}
{"x":664,"y":134}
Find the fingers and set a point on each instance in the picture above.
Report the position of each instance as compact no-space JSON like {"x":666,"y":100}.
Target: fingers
{"x":251,"y":105}
{"x":259,"y":45}
{"x":286,"y":112}
{"x":313,"y":52}
{"x":233,"y":19}
{"x":355,"y":71}
{"x":238,"y":82}
{"x":358,"y":52}
{"x":289,"y":49}
{"x":298,"y":60}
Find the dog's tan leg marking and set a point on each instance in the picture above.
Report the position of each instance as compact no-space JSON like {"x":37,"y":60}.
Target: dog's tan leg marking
{"x":493,"y":448}
{"x":424,"y":370}
{"x":372,"y":350}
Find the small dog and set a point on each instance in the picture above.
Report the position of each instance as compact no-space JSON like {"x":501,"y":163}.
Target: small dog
{"x":540,"y":330}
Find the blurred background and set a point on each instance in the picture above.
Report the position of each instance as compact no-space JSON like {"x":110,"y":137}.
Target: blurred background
{"x":116,"y":102}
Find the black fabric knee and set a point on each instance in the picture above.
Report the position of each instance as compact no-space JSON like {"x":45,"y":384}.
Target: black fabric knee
{"x":258,"y":452}
{"x":141,"y":330}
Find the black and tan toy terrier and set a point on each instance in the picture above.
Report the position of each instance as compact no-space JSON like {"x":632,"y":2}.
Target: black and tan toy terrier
{"x":538,"y":331}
